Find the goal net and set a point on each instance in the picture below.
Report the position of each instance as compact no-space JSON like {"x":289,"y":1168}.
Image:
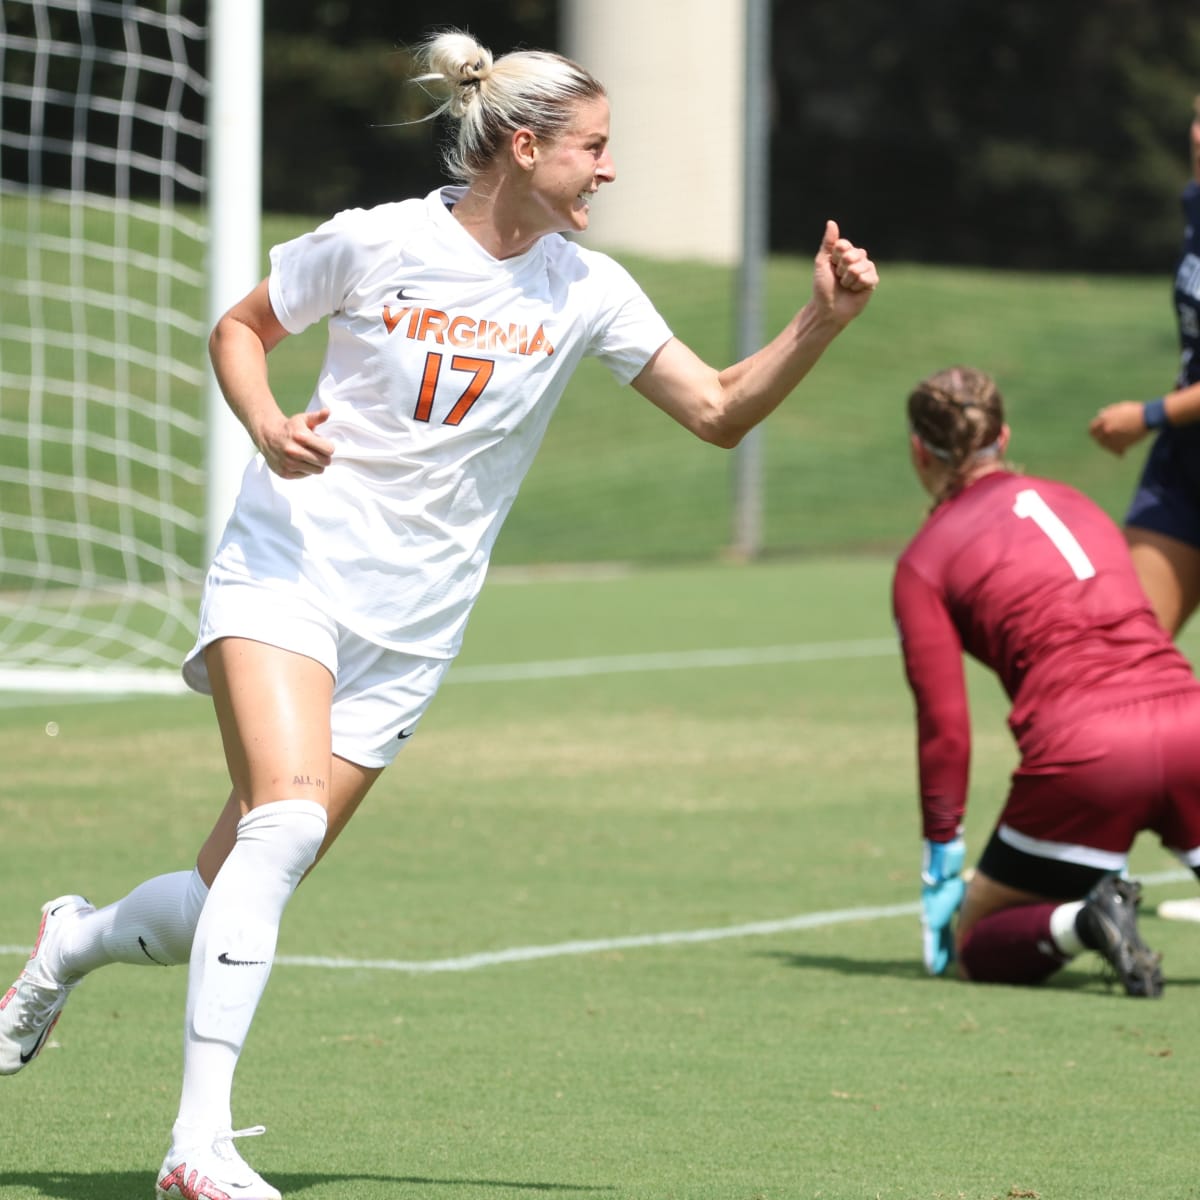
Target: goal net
{"x":102,"y":329}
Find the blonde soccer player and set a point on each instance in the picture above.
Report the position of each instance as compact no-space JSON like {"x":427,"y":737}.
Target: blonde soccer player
{"x":359,"y":542}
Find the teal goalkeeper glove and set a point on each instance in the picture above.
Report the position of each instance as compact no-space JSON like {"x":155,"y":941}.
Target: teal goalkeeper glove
{"x":942,"y":890}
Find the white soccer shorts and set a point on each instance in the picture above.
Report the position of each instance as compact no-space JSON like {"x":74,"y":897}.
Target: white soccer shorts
{"x":379,"y":694}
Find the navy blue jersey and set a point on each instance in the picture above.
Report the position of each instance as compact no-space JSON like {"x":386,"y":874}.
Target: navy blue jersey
{"x":1187,"y":290}
{"x":1167,"y":499}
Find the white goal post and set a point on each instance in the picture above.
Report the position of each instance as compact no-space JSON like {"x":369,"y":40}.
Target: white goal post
{"x":129,"y":219}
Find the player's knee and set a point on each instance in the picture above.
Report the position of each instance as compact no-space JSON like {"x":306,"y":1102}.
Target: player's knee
{"x":287,"y":833}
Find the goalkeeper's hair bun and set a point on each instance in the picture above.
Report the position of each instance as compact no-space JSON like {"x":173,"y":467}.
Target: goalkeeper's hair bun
{"x":957,"y":413}
{"x":491,"y":97}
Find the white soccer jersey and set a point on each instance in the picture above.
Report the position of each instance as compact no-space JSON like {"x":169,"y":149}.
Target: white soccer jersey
{"x":443,"y":368}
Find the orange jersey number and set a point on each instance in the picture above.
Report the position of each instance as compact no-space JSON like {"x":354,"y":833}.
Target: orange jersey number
{"x":480,"y":370}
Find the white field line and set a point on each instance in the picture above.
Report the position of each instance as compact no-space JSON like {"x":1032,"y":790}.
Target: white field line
{"x":17,"y":688}
{"x":20,"y":688}
{"x":680,"y":660}
{"x":518,"y":954}
{"x":555,"y":668}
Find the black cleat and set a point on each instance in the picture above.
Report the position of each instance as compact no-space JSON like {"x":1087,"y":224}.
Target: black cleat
{"x":1107,"y":923}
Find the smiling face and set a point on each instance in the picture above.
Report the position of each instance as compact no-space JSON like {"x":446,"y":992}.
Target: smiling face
{"x":568,"y":170}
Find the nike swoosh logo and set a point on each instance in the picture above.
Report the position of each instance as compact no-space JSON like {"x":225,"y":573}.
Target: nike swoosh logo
{"x":404,"y":733}
{"x":28,"y":1058}
{"x":223,"y":957}
{"x":146,"y":951}
{"x":405,"y":294}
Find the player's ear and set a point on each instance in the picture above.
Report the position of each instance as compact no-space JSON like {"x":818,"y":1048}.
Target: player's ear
{"x":1005,"y":433}
{"x":524,"y":148}
{"x":918,"y":450}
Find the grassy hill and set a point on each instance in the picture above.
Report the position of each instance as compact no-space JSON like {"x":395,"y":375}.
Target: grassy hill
{"x":618,"y":480}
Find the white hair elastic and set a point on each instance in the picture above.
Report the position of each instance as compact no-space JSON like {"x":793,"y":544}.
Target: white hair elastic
{"x":989,"y":451}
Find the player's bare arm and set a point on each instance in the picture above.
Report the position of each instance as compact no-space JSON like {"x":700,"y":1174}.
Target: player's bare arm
{"x":721,"y":407}
{"x":1118,"y":426}
{"x":238,"y":347}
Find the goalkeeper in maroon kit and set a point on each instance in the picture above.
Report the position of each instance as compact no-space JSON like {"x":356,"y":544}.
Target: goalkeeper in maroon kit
{"x":1032,"y":579}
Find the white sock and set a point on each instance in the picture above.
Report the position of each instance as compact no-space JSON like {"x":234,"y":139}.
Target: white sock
{"x":1062,"y":929}
{"x":153,"y":924}
{"x":232,"y":954}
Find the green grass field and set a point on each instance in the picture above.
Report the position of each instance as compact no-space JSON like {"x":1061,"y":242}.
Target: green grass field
{"x":634,"y":917}
{"x":515,"y":1010}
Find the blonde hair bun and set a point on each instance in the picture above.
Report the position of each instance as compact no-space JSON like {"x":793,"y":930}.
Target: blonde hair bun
{"x":459,"y":60}
{"x":491,"y":97}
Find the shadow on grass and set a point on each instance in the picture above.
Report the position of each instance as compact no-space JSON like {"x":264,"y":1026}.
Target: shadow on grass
{"x":1074,"y":979}
{"x":896,"y":968}
{"x":121,"y":1185}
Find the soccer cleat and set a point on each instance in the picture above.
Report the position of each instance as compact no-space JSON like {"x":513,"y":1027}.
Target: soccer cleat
{"x":1107,"y":923}
{"x":30,"y":1009}
{"x":213,"y":1171}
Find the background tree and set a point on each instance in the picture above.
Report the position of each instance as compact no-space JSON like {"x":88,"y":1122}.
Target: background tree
{"x":1019,"y":134}
{"x":341,"y":119}
{"x":1014,"y":133}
